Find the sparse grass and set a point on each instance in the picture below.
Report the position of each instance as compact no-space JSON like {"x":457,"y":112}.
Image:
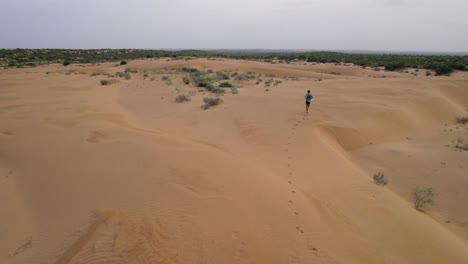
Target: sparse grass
{"x":234,"y":90}
{"x":107,"y":82}
{"x":462,"y":120}
{"x":423,"y":197}
{"x":182,"y":98}
{"x":226,"y":84}
{"x":379,"y":179}
{"x":211,"y":101}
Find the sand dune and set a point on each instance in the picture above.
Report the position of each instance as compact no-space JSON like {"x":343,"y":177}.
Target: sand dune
{"x":124,"y":174}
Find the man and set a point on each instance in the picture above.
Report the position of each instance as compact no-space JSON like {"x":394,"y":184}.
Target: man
{"x":308,"y":98}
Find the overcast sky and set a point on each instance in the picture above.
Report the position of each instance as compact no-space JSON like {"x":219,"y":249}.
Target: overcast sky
{"x":393,"y":25}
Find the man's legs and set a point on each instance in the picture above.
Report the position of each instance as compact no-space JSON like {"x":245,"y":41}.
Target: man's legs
{"x":307,"y":108}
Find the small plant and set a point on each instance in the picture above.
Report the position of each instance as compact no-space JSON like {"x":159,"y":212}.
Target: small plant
{"x":234,"y":90}
{"x":123,"y":62}
{"x":226,"y":84}
{"x":145,"y":75}
{"x":335,"y":73}
{"x":423,"y":197}
{"x":267,"y":90}
{"x":211,"y":101}
{"x":107,"y":82}
{"x":166,"y":78}
{"x":66,"y":63}
{"x":428,"y":73}
{"x":461,"y":145}
{"x":186,"y":80}
{"x":379,"y":179}
{"x":462,"y":120}
{"x":182,"y":98}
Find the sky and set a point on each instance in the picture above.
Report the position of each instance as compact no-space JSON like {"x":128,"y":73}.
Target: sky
{"x":380,"y":25}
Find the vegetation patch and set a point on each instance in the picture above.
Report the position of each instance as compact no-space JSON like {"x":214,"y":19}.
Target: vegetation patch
{"x":226,"y":84}
{"x":107,"y":82}
{"x":234,"y":90}
{"x":423,"y":197}
{"x":379,"y":179}
{"x":182,"y":98}
{"x":211,"y":101}
{"x":462,"y":120}
{"x":461,"y":145}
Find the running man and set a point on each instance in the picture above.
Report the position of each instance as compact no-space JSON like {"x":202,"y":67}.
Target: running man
{"x":308,"y":98}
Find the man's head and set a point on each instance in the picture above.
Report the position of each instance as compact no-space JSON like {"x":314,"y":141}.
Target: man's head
{"x":308,"y":91}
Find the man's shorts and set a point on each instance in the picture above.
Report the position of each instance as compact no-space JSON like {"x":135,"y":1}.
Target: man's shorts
{"x":307,"y":103}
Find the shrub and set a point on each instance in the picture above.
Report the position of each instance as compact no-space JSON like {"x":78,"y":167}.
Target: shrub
{"x":379,"y":179}
{"x":66,"y":63}
{"x":182,"y":98}
{"x":462,"y":120}
{"x":211,"y":101}
{"x":234,"y":90}
{"x":145,"y":75}
{"x":190,"y":70}
{"x":423,"y":197}
{"x":186,"y":80}
{"x":217,"y":90}
{"x":428,"y":73}
{"x":221,"y":76}
{"x":123,"y":62}
{"x":107,"y":82}
{"x":335,"y":73}
{"x":226,"y":84}
{"x":166,"y":78}
{"x":461,"y":145}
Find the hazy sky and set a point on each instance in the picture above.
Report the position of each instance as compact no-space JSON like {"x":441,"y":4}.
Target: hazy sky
{"x":400,"y":25}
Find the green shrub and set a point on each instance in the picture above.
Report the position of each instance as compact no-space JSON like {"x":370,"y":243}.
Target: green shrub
{"x":461,"y":145}
{"x":145,"y":75}
{"x":166,"y":78}
{"x":462,"y":120}
{"x":107,"y":82}
{"x":123,"y":62}
{"x":221,"y":76}
{"x":211,"y":101}
{"x":189,"y":70}
{"x":182,"y":98}
{"x":379,"y":179}
{"x":66,"y":63}
{"x":428,"y":73}
{"x":186,"y":80}
{"x":226,"y":84}
{"x":217,"y":90}
{"x":423,"y":197}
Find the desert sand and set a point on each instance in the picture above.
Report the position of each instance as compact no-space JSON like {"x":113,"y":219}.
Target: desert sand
{"x":124,"y":174}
